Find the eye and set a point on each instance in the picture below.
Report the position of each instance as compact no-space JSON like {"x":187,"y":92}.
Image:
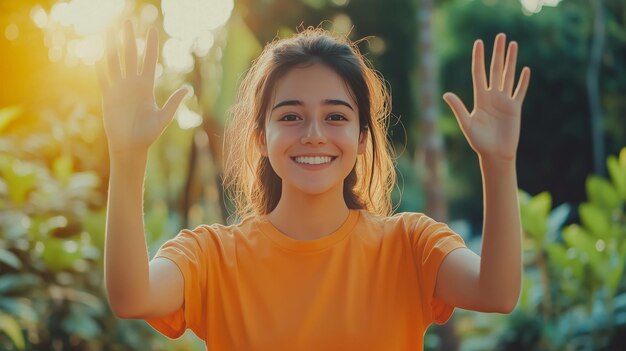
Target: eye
{"x":289,"y":118}
{"x":337,"y":117}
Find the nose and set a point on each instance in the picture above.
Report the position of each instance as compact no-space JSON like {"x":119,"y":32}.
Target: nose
{"x":314,"y":133}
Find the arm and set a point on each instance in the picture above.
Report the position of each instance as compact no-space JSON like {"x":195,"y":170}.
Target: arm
{"x":135,"y":288}
{"x":491,"y":283}
{"x":132,"y":122}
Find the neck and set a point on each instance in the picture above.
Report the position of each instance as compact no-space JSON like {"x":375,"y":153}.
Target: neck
{"x":309,"y":217}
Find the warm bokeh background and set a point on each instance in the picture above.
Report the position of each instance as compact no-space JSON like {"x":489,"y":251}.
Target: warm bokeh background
{"x":571,"y":161}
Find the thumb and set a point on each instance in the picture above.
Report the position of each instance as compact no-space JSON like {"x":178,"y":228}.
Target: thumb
{"x":172,"y":103}
{"x":458,"y":108}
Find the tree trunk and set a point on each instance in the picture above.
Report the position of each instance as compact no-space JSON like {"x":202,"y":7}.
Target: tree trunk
{"x":195,"y":183}
{"x":593,"y":86}
{"x":432,"y":154}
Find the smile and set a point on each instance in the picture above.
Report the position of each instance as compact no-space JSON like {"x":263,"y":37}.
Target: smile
{"x":313,"y":160}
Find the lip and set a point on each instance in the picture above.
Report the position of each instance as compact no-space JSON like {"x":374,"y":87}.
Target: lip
{"x":314,"y":155}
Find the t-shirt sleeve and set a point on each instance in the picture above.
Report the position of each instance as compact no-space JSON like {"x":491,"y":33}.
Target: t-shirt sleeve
{"x":432,"y":241}
{"x":188,"y":251}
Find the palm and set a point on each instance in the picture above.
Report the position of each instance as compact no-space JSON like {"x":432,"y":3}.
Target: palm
{"x":132,"y":119}
{"x":493,"y":127}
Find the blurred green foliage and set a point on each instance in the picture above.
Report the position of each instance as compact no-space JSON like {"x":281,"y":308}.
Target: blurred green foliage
{"x":574,"y":292}
{"x":51,"y":248}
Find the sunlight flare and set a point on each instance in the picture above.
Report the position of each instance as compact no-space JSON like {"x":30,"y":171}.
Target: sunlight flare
{"x":74,"y":29}
{"x":534,"y":6}
{"x":190,"y":23}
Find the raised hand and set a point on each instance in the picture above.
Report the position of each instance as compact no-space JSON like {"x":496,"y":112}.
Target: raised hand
{"x":492,"y":128}
{"x":132,"y":120}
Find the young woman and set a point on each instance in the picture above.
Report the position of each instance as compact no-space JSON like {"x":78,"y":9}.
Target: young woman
{"x":317,"y":262}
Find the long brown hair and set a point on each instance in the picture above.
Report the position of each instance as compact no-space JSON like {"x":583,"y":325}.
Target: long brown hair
{"x":249,"y":179}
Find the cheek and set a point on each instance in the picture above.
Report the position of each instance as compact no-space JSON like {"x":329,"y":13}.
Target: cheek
{"x":277,"y":141}
{"x":349,"y":138}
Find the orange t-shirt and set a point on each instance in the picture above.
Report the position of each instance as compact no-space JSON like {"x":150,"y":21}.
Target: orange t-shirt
{"x":367,"y":286}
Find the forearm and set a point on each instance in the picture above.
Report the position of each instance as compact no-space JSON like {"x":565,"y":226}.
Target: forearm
{"x":126,"y":254}
{"x":501,"y":256}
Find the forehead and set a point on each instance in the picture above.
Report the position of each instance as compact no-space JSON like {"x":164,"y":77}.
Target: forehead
{"x":312,"y":84}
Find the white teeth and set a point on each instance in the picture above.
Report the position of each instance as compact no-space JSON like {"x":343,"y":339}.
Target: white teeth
{"x":316,"y":160}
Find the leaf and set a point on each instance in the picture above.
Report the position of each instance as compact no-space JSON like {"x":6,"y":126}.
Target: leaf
{"x":578,"y":238}
{"x":569,"y":271}
{"x":619,"y":302}
{"x":81,"y":323}
{"x":60,"y":254}
{"x":50,"y":225}
{"x":13,"y":330}
{"x":523,"y":196}
{"x":535,"y":214}
{"x":616,"y":272}
{"x":87,"y":303}
{"x":13,"y":282}
{"x":8,"y":115}
{"x":62,"y":168}
{"x":602,"y":194}
{"x":9,"y":258}
{"x":595,"y":219}
{"x":557,"y":255}
{"x":15,"y":224}
{"x":82,"y":184}
{"x":557,"y":217}
{"x":20,"y":178}
{"x":617,"y":172}
{"x":18,"y":307}
{"x":94,"y":223}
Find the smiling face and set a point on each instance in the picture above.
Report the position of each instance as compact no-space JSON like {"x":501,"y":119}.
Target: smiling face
{"x":312,"y":135}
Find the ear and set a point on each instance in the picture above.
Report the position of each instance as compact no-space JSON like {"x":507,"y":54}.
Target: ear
{"x":362,"y":141}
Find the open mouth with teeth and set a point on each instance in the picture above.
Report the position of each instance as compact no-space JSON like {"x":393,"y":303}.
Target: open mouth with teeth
{"x":314,"y":160}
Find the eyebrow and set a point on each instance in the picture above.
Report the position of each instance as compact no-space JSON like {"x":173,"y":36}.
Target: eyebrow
{"x":333,"y":102}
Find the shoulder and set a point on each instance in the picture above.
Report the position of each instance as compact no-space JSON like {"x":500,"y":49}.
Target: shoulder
{"x":217,"y":236}
{"x":417,"y":227}
{"x":407,"y":225}
{"x":229,"y":230}
{"x":407,"y":221}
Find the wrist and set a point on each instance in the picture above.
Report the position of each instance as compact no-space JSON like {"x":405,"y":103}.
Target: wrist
{"x":134,"y":158}
{"x":497,"y":163}
{"x":497,"y":159}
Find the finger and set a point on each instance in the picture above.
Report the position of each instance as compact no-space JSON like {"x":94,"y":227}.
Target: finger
{"x":151,"y":54}
{"x":479,"y":75}
{"x":495,"y":76}
{"x":130,"y":49}
{"x":172,"y":103}
{"x":522,"y":86}
{"x":459,"y":109}
{"x":509,"y":69}
{"x":113,"y":58}
{"x":102,"y":78}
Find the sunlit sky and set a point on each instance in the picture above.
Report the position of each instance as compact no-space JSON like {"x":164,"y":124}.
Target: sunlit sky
{"x":74,"y":30}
